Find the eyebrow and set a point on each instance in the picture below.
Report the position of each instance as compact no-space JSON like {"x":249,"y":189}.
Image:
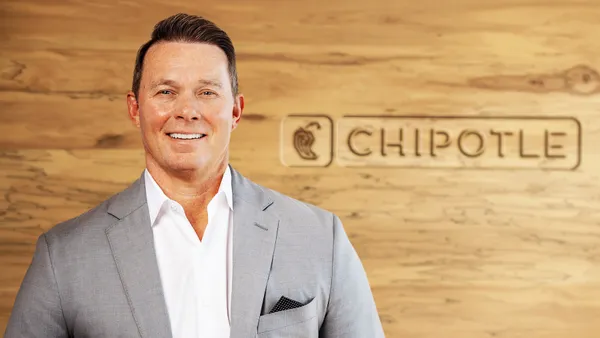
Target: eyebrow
{"x":167,"y":82}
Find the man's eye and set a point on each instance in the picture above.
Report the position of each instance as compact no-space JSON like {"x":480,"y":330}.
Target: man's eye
{"x":165,"y":92}
{"x":207,"y":92}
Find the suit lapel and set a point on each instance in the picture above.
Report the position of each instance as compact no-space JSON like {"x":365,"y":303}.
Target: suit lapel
{"x":132,"y":244}
{"x":254,"y":234}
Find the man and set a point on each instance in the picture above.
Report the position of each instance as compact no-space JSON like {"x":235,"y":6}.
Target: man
{"x":193,"y":248}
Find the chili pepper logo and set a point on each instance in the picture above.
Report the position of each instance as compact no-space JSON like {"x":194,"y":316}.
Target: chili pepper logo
{"x":304,"y":140}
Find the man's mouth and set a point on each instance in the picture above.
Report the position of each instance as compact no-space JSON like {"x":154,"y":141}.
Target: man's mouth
{"x":181,"y":136}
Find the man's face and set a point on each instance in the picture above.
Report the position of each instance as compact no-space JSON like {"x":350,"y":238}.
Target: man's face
{"x":185,"y":107}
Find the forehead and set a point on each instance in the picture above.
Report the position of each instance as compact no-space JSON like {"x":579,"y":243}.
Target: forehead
{"x":184,"y":60}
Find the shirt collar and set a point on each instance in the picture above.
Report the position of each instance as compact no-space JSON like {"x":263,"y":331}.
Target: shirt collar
{"x":225,"y":186}
{"x":156,"y":197}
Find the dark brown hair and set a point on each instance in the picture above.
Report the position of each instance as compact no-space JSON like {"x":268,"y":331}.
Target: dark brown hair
{"x":187,"y":28}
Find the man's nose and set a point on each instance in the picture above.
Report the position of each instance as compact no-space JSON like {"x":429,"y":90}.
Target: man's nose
{"x":189,"y":109}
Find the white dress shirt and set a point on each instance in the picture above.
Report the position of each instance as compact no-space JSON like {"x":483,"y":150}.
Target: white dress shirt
{"x":195,"y":275}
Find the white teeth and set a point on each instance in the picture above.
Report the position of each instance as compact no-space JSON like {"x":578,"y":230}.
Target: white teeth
{"x":186,"y":136}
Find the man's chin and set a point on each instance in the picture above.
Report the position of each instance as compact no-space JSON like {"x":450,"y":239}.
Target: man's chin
{"x":183,"y":163}
{"x":185,"y":167}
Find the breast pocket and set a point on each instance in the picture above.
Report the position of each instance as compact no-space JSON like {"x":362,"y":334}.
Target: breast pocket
{"x":298,"y":322}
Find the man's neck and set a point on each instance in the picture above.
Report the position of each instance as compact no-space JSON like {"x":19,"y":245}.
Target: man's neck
{"x":194,"y":189}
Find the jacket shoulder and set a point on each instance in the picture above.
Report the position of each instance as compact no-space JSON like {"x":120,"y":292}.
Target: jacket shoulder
{"x":296,"y":211}
{"x":92,"y":221}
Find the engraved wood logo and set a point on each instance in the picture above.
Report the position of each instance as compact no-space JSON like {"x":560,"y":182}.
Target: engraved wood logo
{"x":304,"y":140}
{"x":459,"y":142}
{"x":485,"y":142}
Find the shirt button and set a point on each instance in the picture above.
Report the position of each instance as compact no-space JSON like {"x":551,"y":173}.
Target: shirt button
{"x":174,"y":207}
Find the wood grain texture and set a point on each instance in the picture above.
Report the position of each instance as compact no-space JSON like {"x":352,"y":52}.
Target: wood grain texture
{"x":449,"y":252}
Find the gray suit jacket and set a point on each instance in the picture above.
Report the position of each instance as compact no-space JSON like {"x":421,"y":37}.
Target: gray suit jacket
{"x":97,"y":276}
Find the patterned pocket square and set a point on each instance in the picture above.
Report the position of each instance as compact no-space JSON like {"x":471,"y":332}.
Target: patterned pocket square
{"x":285,"y":303}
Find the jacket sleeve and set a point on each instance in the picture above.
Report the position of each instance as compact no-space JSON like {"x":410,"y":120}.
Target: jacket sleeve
{"x":351,"y":312}
{"x":37,"y":309}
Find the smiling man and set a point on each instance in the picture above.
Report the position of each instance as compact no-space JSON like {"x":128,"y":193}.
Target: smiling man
{"x":193,"y":248}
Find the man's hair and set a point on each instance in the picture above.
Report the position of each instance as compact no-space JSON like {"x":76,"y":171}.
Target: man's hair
{"x":187,"y":28}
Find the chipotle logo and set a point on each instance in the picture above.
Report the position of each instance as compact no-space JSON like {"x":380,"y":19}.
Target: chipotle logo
{"x":304,"y":139}
{"x":486,"y":142}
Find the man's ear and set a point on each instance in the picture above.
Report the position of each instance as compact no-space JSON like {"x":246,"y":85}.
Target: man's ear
{"x":133,"y":108}
{"x":238,"y":109}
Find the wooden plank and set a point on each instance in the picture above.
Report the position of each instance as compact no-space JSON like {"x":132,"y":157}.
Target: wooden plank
{"x":466,"y":252}
{"x":339,"y":21}
{"x":434,"y":70}
{"x":81,"y":120}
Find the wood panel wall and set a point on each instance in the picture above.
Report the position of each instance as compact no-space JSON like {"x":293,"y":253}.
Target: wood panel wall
{"x":451,"y":248}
